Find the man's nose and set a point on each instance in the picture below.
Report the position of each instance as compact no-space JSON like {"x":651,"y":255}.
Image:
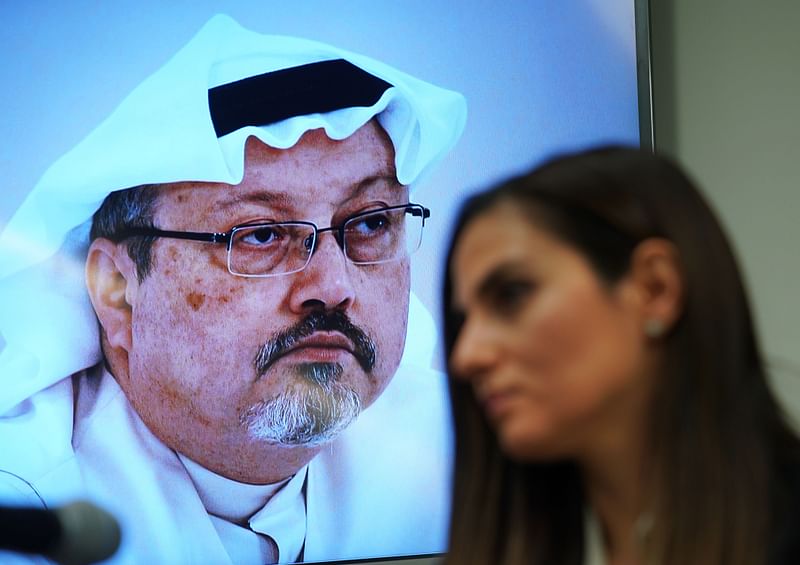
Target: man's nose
{"x":326,"y":281}
{"x":475,"y":351}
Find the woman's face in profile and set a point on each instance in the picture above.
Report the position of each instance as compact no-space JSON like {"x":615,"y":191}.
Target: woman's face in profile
{"x":555,"y":356}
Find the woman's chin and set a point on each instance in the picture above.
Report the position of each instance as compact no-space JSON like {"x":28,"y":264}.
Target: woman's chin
{"x":527,"y":443}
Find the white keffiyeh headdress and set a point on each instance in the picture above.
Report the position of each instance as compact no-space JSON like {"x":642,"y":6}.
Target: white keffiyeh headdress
{"x":176,"y":126}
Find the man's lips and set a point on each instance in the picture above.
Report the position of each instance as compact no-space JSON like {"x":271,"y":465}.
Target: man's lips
{"x":321,"y":344}
{"x":323,"y":336}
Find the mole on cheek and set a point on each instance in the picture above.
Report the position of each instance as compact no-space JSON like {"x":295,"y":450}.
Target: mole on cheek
{"x":195,"y":300}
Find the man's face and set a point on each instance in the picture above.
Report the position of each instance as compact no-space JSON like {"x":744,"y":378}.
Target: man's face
{"x":223,"y":367}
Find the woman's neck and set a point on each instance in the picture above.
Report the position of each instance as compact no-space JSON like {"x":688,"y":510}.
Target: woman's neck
{"x":616,"y":482}
{"x":618,"y":512}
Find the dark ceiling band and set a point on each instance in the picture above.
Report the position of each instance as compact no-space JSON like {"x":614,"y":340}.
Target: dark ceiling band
{"x":317,"y":87}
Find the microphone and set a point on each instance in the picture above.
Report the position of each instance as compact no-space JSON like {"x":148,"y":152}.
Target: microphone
{"x":76,"y":534}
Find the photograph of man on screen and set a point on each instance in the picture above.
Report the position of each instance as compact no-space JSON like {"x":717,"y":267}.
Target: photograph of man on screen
{"x":218,"y":282}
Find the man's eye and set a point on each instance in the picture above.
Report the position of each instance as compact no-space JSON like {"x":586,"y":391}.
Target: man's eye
{"x":259,"y":236}
{"x":370,"y":224}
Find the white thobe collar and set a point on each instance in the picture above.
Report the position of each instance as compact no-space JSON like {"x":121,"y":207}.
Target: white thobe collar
{"x":594,"y":550}
{"x":277,"y":510}
{"x":594,"y":547}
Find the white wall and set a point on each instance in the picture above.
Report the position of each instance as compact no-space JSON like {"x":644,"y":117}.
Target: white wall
{"x":727,"y":89}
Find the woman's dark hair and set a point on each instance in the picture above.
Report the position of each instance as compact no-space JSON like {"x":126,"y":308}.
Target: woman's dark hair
{"x":718,"y":436}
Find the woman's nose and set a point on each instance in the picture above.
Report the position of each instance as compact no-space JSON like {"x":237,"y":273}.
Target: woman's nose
{"x":474,"y":352}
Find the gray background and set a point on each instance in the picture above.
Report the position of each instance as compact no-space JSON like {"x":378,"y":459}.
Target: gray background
{"x":727,"y":87}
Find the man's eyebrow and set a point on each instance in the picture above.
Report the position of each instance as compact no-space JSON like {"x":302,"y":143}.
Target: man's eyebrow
{"x":260,"y":197}
{"x":282,"y":199}
{"x":367,"y":182}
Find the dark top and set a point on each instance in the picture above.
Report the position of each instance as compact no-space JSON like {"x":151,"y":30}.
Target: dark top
{"x":784,"y":546}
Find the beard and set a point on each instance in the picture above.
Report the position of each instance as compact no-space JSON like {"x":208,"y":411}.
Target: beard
{"x":311,"y":411}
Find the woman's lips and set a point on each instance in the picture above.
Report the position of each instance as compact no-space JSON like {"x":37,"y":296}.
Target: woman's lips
{"x":496,"y":404}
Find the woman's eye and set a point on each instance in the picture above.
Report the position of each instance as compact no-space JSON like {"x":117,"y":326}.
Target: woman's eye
{"x":508,"y":297}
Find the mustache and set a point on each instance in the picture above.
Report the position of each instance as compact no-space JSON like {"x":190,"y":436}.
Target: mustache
{"x":318,"y":321}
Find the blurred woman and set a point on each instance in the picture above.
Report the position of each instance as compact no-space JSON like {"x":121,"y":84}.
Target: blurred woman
{"x":610,"y":401}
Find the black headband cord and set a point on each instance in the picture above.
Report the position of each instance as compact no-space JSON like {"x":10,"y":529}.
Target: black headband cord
{"x":265,"y":99}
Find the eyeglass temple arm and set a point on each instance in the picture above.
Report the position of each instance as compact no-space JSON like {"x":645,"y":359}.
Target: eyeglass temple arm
{"x":193,"y":236}
{"x":216,"y":237}
{"x":421,"y":211}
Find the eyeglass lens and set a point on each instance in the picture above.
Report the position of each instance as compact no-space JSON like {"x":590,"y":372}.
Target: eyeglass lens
{"x":376,"y":237}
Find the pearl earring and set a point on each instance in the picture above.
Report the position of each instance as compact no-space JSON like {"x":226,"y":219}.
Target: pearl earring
{"x":654,"y":328}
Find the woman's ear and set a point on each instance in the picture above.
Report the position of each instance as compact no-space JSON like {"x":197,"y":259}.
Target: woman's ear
{"x":657,"y":274}
{"x":112,"y":284}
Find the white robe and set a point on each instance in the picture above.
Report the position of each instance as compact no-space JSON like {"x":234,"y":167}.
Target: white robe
{"x":381,"y":489}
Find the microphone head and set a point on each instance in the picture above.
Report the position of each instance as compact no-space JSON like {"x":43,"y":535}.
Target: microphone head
{"x":89,"y":534}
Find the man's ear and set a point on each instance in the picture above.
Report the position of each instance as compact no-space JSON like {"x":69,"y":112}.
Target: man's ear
{"x":112,"y":284}
{"x":656,"y":274}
